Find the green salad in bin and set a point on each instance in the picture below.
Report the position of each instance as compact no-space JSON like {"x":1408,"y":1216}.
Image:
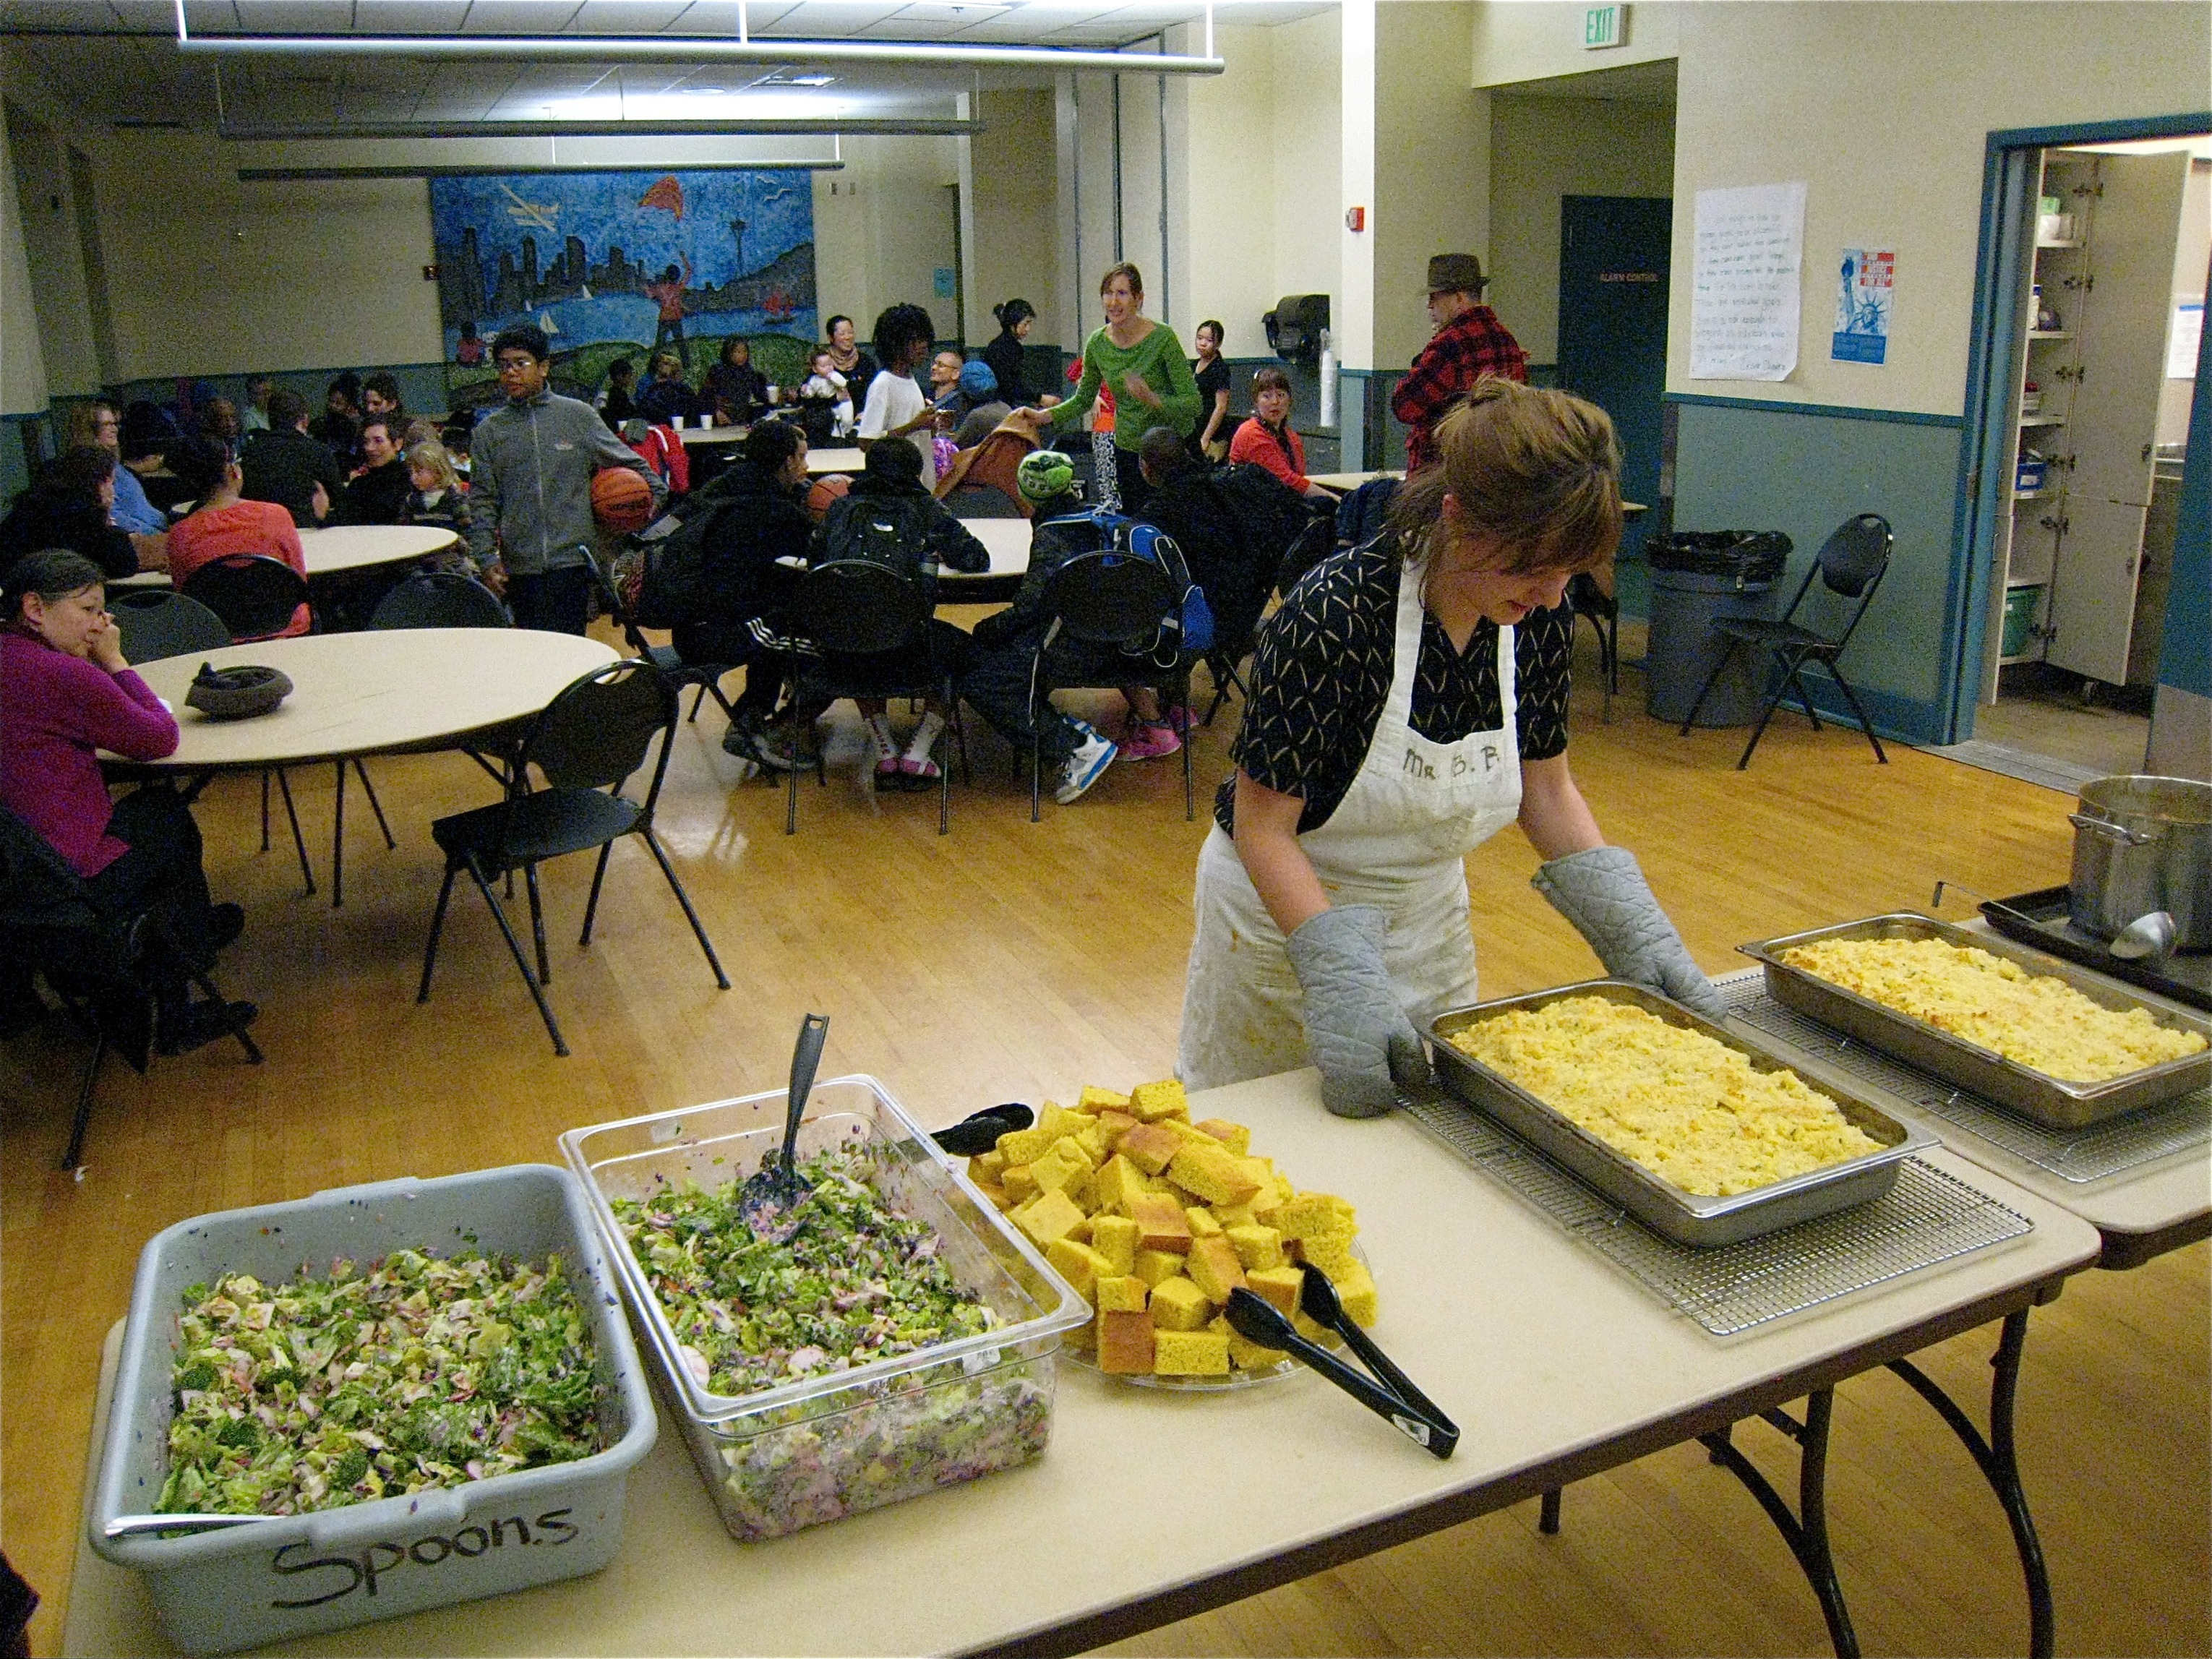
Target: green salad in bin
{"x":413,"y":1372}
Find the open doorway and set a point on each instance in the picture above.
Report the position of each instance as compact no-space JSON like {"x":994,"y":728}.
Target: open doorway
{"x":2091,"y":352}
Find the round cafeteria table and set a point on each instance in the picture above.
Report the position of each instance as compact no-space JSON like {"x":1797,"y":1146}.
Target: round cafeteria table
{"x":342,"y":549}
{"x":696,"y":436}
{"x":822,"y":461}
{"x":385,"y":691}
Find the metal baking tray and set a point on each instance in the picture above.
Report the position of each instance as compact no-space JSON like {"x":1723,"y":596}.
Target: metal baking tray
{"x":2053,"y":1101}
{"x":1690,"y":1219}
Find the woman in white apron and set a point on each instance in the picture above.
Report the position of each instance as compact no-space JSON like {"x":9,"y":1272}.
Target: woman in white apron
{"x":1332,"y":898}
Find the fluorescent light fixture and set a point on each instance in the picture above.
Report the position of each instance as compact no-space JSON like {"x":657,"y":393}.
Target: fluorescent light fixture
{"x":755,"y":103}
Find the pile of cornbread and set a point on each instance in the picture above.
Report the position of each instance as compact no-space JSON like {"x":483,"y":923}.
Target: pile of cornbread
{"x":2035,"y":1020}
{"x":1156,"y":1219}
{"x":1693,"y":1111}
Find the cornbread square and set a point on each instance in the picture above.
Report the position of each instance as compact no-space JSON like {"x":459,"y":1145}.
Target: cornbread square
{"x":1332,"y":1253}
{"x":1046,"y":1217}
{"x":1020,"y":1145}
{"x":1211,"y":1171}
{"x":1212,"y":1267}
{"x":1096,"y":1099}
{"x":1183,"y":1130}
{"x":1078,"y":1264}
{"x":987,"y":1166}
{"x":1084,"y":1338}
{"x":1355,"y":1290}
{"x":1128,"y":1294}
{"x":1233,"y":1215}
{"x":1096,"y":1142}
{"x":1309,"y":1215}
{"x":1256,"y":1246}
{"x":996,"y":1194}
{"x":1161,"y":1223}
{"x":1125,"y":1344}
{"x":1020,"y":1183}
{"x":1312,"y":1329}
{"x":1115,"y":1238}
{"x":1150,"y":1146}
{"x":1115,"y":1124}
{"x":1202,"y":1224}
{"x":1152,"y":1102}
{"x":1080,"y":1232}
{"x":1278,"y":1285}
{"x":1116,"y":1182}
{"x":1154,"y":1265}
{"x":1189,"y":1353}
{"x":1059,"y":1165}
{"x":1235,"y":1136}
{"x":1177,"y":1304}
{"x":1243,"y":1354}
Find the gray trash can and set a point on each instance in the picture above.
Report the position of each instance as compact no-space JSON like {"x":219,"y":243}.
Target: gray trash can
{"x":1697,"y":578}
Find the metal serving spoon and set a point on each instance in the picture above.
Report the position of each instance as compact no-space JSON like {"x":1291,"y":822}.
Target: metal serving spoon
{"x":131,"y":1526}
{"x":2150,"y":935}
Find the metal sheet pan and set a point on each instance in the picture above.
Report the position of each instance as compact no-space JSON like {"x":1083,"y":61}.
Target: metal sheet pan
{"x":2054,"y":1102}
{"x":1690,"y":1219}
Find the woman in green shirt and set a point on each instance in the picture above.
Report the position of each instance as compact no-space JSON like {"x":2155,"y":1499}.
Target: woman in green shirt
{"x":1141,"y":364}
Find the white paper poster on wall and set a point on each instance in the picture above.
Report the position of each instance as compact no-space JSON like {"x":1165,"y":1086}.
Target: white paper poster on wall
{"x":1866,"y":283}
{"x":1744,"y":291}
{"x":2181,"y":340}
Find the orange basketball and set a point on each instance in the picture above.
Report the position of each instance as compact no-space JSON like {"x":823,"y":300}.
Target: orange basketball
{"x":621,"y":500}
{"x":824,"y":491}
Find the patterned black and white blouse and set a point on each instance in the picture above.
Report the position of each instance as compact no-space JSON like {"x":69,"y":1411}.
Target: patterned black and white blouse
{"x":1320,"y":673}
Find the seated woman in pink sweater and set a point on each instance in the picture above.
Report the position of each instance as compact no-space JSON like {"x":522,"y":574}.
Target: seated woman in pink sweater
{"x":1267,"y":440}
{"x":221,"y":525}
{"x":65,"y":695}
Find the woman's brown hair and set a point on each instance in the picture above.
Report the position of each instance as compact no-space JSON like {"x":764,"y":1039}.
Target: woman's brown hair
{"x":1125,"y":269}
{"x":1267,"y":379}
{"x":1536,"y":469}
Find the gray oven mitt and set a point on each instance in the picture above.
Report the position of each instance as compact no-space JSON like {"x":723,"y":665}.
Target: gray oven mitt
{"x":1356,"y":1028}
{"x":1602,"y":891}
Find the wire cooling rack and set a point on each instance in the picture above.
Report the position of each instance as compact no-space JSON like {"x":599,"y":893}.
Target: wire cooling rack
{"x":2073,"y":1155}
{"x":1928,"y":1216}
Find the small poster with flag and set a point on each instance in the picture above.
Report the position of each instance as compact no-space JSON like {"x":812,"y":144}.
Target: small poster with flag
{"x":1866,"y":283}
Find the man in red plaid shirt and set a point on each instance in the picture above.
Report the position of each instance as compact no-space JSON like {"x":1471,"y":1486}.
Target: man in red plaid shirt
{"x":1469,"y":343}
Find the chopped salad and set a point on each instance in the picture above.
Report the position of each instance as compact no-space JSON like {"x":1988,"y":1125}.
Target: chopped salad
{"x":413,"y":1372}
{"x":856,"y":1283}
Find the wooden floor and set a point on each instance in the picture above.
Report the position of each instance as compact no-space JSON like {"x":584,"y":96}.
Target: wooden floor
{"x":1011,"y":961}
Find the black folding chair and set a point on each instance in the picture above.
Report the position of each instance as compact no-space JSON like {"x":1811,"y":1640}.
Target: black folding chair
{"x":1109,"y":598}
{"x":257,"y":597}
{"x":587,"y":743}
{"x":705,"y":678}
{"x":870,"y":626}
{"x":1850,"y":566}
{"x":97,"y":964}
{"x":1587,"y":600}
{"x":159,"y":622}
{"x":439,"y":599}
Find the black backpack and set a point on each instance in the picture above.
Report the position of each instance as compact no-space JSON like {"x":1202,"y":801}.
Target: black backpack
{"x":662,"y":588}
{"x":891,"y":531}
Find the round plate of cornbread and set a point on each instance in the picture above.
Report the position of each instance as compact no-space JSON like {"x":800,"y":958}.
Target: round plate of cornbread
{"x":1155,"y":1220}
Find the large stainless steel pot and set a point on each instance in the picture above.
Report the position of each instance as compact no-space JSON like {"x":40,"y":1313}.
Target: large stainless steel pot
{"x":2143,"y":844}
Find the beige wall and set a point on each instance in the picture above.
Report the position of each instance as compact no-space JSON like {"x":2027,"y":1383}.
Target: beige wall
{"x":1528,"y":39}
{"x":1542,"y":150}
{"x":1233,"y":192}
{"x":22,"y":367}
{"x":883,"y":226}
{"x":1884,"y":110}
{"x":1012,"y":212}
{"x":1305,"y":142}
{"x":1433,"y":164}
{"x":53,"y":255}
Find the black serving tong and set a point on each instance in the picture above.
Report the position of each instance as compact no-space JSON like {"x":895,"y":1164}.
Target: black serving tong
{"x":1395,"y":1398}
{"x":977,"y":1134}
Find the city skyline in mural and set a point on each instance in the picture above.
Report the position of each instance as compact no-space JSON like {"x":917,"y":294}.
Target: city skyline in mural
{"x":612,"y":262}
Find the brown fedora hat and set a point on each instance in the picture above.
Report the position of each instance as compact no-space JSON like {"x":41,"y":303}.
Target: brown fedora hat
{"x":1455,"y":273}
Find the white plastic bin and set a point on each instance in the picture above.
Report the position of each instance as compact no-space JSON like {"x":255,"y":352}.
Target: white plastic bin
{"x":295,"y":1576}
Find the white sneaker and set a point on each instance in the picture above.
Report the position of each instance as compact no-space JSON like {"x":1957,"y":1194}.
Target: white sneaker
{"x":1085,"y":766}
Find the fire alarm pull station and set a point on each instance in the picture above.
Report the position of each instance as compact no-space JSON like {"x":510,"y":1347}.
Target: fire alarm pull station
{"x":1355,"y":218}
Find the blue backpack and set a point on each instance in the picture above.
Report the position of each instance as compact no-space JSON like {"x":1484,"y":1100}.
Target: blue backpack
{"x":1191,"y":628}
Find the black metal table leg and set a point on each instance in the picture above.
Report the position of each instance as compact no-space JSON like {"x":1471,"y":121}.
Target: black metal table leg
{"x":337,"y":843}
{"x":1806,"y":1531}
{"x":1547,"y":1516}
{"x":2000,"y":1465}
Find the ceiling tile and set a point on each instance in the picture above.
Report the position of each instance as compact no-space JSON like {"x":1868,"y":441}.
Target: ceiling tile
{"x":518,"y":17}
{"x":410,"y":16}
{"x":294,"y":16}
{"x":625,"y":16}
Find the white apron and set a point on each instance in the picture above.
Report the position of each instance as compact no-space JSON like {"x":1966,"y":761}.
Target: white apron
{"x":1397,"y":841}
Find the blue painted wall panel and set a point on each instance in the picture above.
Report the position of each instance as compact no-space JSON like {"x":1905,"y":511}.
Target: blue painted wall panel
{"x":2185,"y":660}
{"x":1804,"y":473}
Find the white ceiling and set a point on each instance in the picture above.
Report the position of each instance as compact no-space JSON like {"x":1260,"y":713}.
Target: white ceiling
{"x":118,"y":59}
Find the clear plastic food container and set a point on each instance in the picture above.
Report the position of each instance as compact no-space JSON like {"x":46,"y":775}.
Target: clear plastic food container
{"x":825,"y":1448}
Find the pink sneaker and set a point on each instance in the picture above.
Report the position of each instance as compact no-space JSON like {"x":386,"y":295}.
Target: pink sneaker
{"x":1180,"y":720}
{"x":1150,"y":740}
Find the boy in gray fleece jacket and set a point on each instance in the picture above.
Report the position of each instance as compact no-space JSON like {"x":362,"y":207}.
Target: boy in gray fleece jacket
{"x":530,"y":493}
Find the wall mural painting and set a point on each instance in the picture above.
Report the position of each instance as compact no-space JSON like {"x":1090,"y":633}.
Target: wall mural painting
{"x":620,"y":265}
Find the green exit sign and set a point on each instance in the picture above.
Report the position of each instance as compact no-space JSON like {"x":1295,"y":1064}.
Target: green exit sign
{"x":1602,"y":25}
